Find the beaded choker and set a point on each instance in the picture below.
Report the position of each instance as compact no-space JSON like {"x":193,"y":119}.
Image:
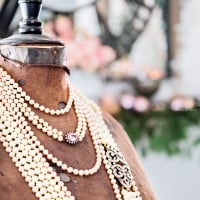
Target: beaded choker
{"x":32,"y":158}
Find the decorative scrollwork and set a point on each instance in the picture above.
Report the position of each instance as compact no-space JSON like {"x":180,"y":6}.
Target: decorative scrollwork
{"x":114,"y":155}
{"x":119,"y":167}
{"x":123,"y":175}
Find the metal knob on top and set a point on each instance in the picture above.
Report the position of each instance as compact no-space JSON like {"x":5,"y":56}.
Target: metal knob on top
{"x":30,"y":23}
{"x":30,"y":46}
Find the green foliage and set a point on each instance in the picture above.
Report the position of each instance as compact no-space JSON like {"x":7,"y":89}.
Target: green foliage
{"x":160,"y":131}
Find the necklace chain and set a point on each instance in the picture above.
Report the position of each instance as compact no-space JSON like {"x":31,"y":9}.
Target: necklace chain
{"x":36,"y":105}
{"x":31,"y":157}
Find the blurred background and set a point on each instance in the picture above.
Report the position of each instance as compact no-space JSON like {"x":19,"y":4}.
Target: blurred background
{"x":139,"y":59}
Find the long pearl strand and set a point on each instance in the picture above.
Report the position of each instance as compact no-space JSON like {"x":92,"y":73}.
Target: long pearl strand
{"x":20,"y":97}
{"x":42,"y":108}
{"x":42,"y":125}
{"x":10,"y":97}
{"x":29,"y":154}
{"x":106,"y":139}
{"x":22,"y":146}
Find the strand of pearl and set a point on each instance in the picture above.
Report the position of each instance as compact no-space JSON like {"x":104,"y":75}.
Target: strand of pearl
{"x":54,"y":159}
{"x":59,"y":163}
{"x":98,"y":150}
{"x":15,"y":110}
{"x":107,"y":140}
{"x":27,"y":98}
{"x":42,"y":125}
{"x":16,"y":94}
{"x":22,"y":146}
{"x":93,"y":117}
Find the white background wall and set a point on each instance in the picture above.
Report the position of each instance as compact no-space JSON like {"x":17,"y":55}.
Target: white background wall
{"x":175,"y":178}
{"x":178,"y":178}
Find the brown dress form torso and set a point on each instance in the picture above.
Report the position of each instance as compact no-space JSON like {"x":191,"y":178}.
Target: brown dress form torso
{"x":48,"y":86}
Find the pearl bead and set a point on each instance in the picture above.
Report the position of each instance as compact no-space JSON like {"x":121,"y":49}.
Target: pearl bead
{"x":46,"y":110}
{"x":59,"y":163}
{"x":42,"y":108}
{"x":61,"y":184}
{"x":45,"y":151}
{"x":64,"y":167}
{"x":36,"y":105}
{"x":81,"y":173}
{"x":31,"y":102}
{"x":86,"y":172}
{"x":24,"y":174}
{"x":61,"y":194}
{"x":54,"y":160}
{"x":70,"y":169}
{"x":135,"y":188}
{"x":118,"y":196}
{"x":49,"y":156}
{"x":75,"y":171}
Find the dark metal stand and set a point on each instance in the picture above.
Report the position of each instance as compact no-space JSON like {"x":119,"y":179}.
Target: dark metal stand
{"x":30,"y":23}
{"x":7,"y":13}
{"x":168,"y":30}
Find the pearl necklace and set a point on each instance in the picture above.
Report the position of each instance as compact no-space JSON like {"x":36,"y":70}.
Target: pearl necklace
{"x":31,"y":157}
{"x":42,"y":108}
{"x":21,"y":97}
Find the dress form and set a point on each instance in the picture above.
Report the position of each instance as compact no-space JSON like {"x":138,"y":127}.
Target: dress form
{"x":46,"y":82}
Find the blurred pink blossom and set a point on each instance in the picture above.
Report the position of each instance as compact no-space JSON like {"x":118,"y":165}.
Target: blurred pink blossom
{"x":87,"y":52}
{"x":141,"y":104}
{"x":64,"y":28}
{"x":49,"y":29}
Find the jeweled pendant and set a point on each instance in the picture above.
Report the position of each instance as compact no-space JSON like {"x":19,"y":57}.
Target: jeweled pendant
{"x":71,"y":137}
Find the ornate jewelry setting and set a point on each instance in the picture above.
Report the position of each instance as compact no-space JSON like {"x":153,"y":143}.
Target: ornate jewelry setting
{"x":31,"y":157}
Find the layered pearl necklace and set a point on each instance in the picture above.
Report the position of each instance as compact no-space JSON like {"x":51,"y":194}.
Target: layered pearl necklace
{"x":20,"y":97}
{"x":32,"y":158}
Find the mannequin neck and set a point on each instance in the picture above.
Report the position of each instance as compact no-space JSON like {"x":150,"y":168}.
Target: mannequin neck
{"x":47,"y":85}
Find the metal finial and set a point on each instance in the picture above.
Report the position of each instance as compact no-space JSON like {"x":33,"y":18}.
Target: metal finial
{"x":30,"y":23}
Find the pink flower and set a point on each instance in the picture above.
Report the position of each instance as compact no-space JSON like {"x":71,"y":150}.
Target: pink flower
{"x":73,"y":54}
{"x":181,"y":102}
{"x":89,"y":48}
{"x":86,"y":52}
{"x":141,"y":104}
{"x":127,"y":101}
{"x":94,"y":54}
{"x":105,"y":54}
{"x":64,"y":28}
{"x":49,"y":29}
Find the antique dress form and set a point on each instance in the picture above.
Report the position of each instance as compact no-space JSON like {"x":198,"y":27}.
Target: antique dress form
{"x":46,"y":81}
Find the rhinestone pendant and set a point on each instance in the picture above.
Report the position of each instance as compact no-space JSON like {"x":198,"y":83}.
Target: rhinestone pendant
{"x":71,"y":137}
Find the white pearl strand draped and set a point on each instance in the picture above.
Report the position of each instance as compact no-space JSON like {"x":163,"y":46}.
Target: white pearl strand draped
{"x":106,"y":139}
{"x":42,"y":108}
{"x":16,"y":108}
{"x":20,"y":96}
{"x":53,"y":132}
{"x":30,"y":156}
